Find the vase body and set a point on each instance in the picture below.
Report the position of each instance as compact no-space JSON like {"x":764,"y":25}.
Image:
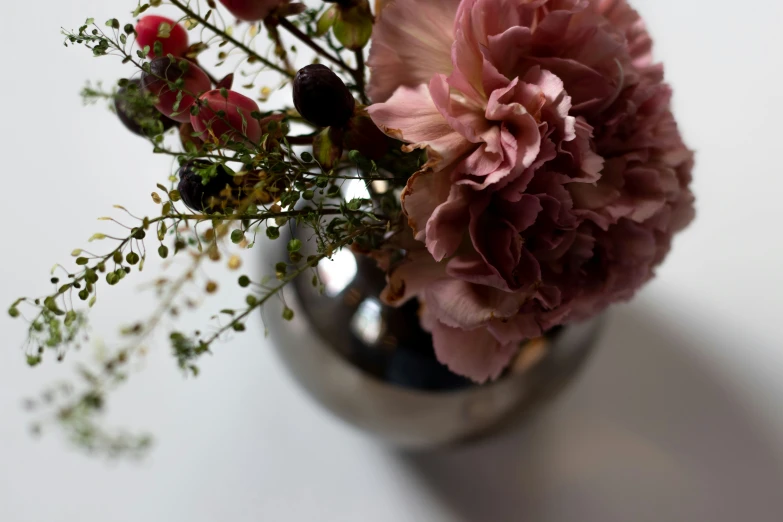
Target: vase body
{"x":374,"y":367}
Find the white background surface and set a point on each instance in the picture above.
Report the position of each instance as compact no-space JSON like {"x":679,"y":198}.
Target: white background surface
{"x":678,"y":417}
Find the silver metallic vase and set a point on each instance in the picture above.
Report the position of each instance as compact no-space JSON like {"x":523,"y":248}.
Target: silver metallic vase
{"x":374,"y":367}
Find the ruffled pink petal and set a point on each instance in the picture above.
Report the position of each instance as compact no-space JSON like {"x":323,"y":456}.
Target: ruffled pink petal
{"x":512,"y":330}
{"x":423,"y":194}
{"x":447,"y":225}
{"x":472,"y":268}
{"x":410,"y":115}
{"x":461,"y":304}
{"x":411,"y":42}
{"x":476,"y":354}
{"x":627,"y":20}
{"x":552,"y":143}
{"x":466,"y":119}
{"x":412,"y":278}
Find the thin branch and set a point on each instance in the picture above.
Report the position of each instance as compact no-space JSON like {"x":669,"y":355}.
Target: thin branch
{"x":359,"y":76}
{"x":291,"y":28}
{"x":185,"y":9}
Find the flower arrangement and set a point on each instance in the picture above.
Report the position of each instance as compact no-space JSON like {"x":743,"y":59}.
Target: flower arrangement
{"x":523,"y":169}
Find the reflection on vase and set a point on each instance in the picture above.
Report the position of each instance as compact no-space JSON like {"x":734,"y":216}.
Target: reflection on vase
{"x":375,"y":367}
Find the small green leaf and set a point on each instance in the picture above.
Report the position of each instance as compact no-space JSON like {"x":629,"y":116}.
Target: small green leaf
{"x":272,"y":232}
{"x":33,"y":360}
{"x":244,"y":281}
{"x":164,"y":30}
{"x":140,"y":9}
{"x":288,"y":314}
{"x":237,"y":236}
{"x":97,"y":237}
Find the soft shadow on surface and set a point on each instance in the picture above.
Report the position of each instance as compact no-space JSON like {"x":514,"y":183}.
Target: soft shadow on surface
{"x":648,"y":432}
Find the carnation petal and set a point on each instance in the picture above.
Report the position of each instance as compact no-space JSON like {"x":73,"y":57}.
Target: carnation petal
{"x":410,"y":115}
{"x":475,"y":354}
{"x":411,"y":42}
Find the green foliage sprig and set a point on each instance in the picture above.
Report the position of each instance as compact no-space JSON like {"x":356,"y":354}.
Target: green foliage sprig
{"x":275,"y":185}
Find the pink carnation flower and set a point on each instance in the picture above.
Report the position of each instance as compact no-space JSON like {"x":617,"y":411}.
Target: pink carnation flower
{"x":556,"y":174}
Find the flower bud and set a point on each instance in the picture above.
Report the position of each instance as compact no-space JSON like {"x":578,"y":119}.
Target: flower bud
{"x":160,"y":82}
{"x":251,"y":10}
{"x":226,"y":115}
{"x":321,"y":97}
{"x":353,"y":23}
{"x":173,"y":37}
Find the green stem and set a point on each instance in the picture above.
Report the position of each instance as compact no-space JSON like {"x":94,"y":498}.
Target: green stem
{"x":359,"y":76}
{"x":274,"y":291}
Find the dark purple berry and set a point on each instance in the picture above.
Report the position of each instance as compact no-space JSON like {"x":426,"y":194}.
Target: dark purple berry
{"x":198,"y":196}
{"x":136,"y":114}
{"x":321,"y":97}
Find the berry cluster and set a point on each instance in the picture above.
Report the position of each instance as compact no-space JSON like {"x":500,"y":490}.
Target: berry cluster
{"x":184,"y":94}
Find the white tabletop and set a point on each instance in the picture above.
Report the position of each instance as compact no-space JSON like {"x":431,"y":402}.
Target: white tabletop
{"x":677,"y":417}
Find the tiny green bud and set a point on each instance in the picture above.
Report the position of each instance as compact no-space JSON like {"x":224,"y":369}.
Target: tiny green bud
{"x":295,"y":245}
{"x":272,"y":232}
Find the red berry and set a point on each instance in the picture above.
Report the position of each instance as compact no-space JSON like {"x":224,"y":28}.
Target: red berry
{"x":227,"y":117}
{"x":195,"y":83}
{"x":250,"y":10}
{"x":149,"y":28}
